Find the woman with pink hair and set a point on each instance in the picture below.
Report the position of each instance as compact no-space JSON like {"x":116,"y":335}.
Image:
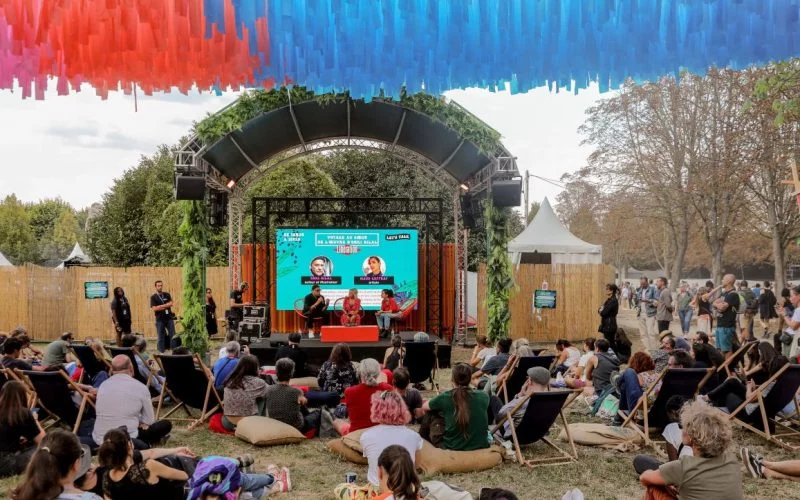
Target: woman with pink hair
{"x":390,"y":414}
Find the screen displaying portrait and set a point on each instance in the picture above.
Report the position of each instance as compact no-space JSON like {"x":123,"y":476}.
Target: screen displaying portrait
{"x":337,"y":260}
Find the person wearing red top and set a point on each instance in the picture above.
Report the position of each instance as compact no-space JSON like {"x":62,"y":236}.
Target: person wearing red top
{"x":359,"y":398}
{"x":389,"y":310}
{"x":351,"y":309}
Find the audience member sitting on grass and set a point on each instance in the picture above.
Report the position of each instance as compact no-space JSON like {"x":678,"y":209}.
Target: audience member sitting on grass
{"x":12,"y":350}
{"x":464,"y":412}
{"x":763,"y":469}
{"x":20,"y":432}
{"x":732,"y":393}
{"x":672,"y":435}
{"x":393,"y":357}
{"x":757,"y":362}
{"x":396,"y":474}
{"x":568,"y":356}
{"x":634,"y":381}
{"x":712,"y":472}
{"x":224,"y":366}
{"x":57,"y":352}
{"x":538,"y":381}
{"x":482,"y":352}
{"x":680,"y":359}
{"x":220,"y":478}
{"x":600,"y":366}
{"x":53,"y":468}
{"x":390,"y":416}
{"x":575,"y":377}
{"x":411,"y":396}
{"x":359,"y":398}
{"x":487,"y":375}
{"x":287,"y":403}
{"x":124,"y":401}
{"x":337,"y":372}
{"x":294,"y":352}
{"x":622,"y":346}
{"x":245,"y":393}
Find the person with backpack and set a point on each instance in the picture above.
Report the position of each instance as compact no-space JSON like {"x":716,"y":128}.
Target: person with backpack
{"x":747,"y":310}
{"x":726,"y":306}
{"x":766,"y":309}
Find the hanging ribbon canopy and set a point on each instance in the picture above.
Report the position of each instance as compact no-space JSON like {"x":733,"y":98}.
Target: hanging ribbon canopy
{"x":369,"y":46}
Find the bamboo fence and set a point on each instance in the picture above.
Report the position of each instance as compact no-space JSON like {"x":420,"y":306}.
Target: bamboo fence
{"x":580,"y":292}
{"x":49,"y":301}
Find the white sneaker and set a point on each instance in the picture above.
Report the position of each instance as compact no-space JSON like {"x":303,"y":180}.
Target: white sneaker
{"x":311,"y":334}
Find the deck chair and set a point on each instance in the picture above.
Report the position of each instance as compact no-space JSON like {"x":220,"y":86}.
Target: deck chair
{"x":541,"y":413}
{"x":736,"y":358}
{"x":54,"y":395}
{"x":787,"y":383}
{"x":88,"y":359}
{"x":674,"y":382}
{"x":422,"y":362}
{"x":189,"y":387}
{"x":514,"y":382}
{"x":7,"y":375}
{"x":128,"y":351}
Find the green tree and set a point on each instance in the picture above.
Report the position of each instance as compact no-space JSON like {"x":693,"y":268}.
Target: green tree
{"x":193,"y":251}
{"x":499,"y":275}
{"x":65,"y":233}
{"x":17,"y":239}
{"x":533,"y":211}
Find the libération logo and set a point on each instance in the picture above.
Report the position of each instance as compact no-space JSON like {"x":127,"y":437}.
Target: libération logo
{"x":347,"y":249}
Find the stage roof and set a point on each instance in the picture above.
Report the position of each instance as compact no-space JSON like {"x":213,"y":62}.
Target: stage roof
{"x":368,"y":45}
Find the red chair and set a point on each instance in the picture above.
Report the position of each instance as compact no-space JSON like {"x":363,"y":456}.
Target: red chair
{"x":338,"y":312}
{"x":298,"y":309}
{"x":406,"y":309}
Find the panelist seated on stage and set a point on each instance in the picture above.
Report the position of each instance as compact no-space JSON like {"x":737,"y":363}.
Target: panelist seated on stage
{"x":389,"y":310}
{"x":351,"y":309}
{"x":314,"y":307}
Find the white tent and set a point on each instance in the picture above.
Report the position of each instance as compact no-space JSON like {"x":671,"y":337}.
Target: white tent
{"x":546,"y":240}
{"x":76,"y":258}
{"x":5,"y":262}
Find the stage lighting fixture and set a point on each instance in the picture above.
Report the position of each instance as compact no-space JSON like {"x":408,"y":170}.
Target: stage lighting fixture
{"x":231,"y":183}
{"x":464,"y":187}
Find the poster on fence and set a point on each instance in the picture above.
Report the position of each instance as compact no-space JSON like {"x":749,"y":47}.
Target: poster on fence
{"x":95,"y":289}
{"x":544,"y":299}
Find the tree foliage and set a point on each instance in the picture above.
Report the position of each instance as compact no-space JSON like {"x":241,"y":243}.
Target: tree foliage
{"x":17,"y":238}
{"x":193,"y":233}
{"x":499,"y":276}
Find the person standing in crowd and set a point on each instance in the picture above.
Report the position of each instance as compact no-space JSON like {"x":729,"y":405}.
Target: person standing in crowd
{"x":766,"y":309}
{"x":161,"y":304}
{"x":120,"y":314}
{"x":237,"y":305}
{"x":705,"y":318}
{"x":726,"y":305}
{"x":685,"y":309}
{"x":786,"y":341}
{"x":664,"y":308}
{"x":747,"y":310}
{"x":211,"y":314}
{"x":314,"y":307}
{"x":625,"y":293}
{"x":608,"y":313}
{"x":646,"y":296}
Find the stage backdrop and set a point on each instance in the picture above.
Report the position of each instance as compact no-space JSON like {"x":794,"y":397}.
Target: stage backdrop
{"x":49,"y":301}
{"x":580,"y":291}
{"x":289,"y":321}
{"x":337,"y":260}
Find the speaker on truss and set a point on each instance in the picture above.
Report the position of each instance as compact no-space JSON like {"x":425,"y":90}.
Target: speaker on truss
{"x":190,"y":187}
{"x":507,"y":193}
{"x":468,"y":211}
{"x":217,"y":208}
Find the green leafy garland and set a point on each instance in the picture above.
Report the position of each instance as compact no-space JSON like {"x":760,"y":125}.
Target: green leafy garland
{"x":193,"y":232}
{"x":500,"y":280}
{"x":256,"y":102}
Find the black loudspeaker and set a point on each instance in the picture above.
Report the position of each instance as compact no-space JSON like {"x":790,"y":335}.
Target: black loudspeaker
{"x":507,"y":193}
{"x":190,"y":187}
{"x":467,"y":212}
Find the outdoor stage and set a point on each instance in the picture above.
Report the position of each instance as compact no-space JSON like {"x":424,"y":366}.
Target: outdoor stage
{"x":317,"y":352}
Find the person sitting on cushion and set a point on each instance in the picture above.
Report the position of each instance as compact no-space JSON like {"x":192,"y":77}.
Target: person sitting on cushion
{"x":394,"y":354}
{"x":712,"y":471}
{"x":412,"y":397}
{"x":337,"y":372}
{"x":244,"y":394}
{"x":464,"y":411}
{"x":224,"y":366}
{"x":294,"y":352}
{"x":359,"y":397}
{"x":287,"y":403}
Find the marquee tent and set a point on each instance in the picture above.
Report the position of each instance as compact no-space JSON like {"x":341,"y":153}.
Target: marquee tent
{"x":5,"y":262}
{"x":76,"y":258}
{"x":547,"y":241}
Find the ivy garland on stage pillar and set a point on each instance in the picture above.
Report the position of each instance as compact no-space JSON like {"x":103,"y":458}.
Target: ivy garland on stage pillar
{"x":193,"y":232}
{"x":499,"y":277}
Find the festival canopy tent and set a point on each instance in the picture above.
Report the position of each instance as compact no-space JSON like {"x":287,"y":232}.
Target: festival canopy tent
{"x":5,"y":262}
{"x":76,"y":258}
{"x":374,"y":46}
{"x":547,"y":241}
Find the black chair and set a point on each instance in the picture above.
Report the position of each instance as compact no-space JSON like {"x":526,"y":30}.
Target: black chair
{"x":54,"y":395}
{"x":129,"y":352}
{"x":190,"y":384}
{"x":541,"y":413}
{"x":674,"y":382}
{"x":736,"y":358}
{"x":513,"y":384}
{"x":422,"y":362}
{"x":765,"y":422}
{"x":88,"y":359}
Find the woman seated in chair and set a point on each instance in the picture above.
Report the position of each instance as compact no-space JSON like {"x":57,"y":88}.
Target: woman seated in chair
{"x":244,"y":393}
{"x":359,"y":398}
{"x":394,"y":355}
{"x":20,"y":431}
{"x":464,"y":411}
{"x":389,"y":310}
{"x":732,"y":393}
{"x":351,"y":309}
{"x":757,"y":362}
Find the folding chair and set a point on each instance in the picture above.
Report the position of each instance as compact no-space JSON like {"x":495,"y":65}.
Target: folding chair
{"x":512,"y":384}
{"x":189,"y":387}
{"x":54,"y":395}
{"x":541,"y":413}
{"x":422,"y":362}
{"x":128,"y":351}
{"x":787,"y":383}
{"x":736,"y":358}
{"x":92,"y":364}
{"x":674,"y":382}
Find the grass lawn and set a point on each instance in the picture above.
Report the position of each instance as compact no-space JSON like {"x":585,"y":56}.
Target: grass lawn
{"x":600,"y":474}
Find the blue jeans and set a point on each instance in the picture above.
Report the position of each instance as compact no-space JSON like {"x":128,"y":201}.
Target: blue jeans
{"x":385,"y":320}
{"x":629,"y":389}
{"x":257,"y":484}
{"x":685,"y":316}
{"x":166,"y":330}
